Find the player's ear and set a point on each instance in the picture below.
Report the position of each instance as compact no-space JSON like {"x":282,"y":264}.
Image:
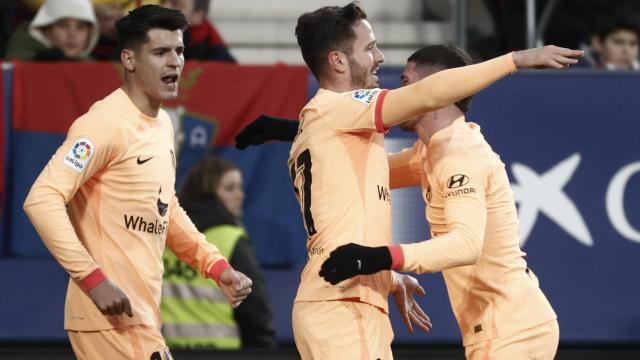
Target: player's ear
{"x":128,"y":58}
{"x":338,"y":61}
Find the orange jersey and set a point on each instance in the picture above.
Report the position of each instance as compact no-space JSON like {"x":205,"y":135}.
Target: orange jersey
{"x":115,"y":172}
{"x":341,"y":177}
{"x":474,"y":229}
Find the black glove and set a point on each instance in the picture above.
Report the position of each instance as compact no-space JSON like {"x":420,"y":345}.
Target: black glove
{"x":266,"y":128}
{"x":352,"y":259}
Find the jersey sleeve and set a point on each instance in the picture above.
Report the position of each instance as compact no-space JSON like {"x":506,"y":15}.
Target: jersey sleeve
{"x":358,"y":110}
{"x":442,"y":89}
{"x":462,"y":181}
{"x":405,"y":167}
{"x":91,"y":144}
{"x":190,"y":246}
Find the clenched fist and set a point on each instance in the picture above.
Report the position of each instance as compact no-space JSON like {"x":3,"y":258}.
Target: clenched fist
{"x":110,"y":299}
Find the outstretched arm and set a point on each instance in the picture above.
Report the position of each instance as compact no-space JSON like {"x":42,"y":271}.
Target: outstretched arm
{"x":465,"y":215}
{"x":448,"y":86}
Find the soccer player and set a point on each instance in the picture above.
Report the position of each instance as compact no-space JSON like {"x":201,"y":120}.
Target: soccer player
{"x":341,"y":176}
{"x":495,"y":297}
{"x":115,"y":172}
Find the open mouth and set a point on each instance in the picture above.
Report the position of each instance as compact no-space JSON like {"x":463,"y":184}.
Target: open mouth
{"x":170,"y":79}
{"x":374,"y":73}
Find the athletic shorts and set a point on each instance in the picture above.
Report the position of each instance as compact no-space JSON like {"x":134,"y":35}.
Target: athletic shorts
{"x":335,"y":330}
{"x":138,"y":342}
{"x":539,"y":343}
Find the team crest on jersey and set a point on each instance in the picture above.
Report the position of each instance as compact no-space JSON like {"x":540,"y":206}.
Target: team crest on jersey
{"x":364,"y":96}
{"x":79,"y":155}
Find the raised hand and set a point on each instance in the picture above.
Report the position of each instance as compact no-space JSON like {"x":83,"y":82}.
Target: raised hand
{"x":546,"y":57}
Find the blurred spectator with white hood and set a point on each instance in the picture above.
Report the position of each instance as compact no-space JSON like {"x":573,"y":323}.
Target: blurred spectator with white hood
{"x":61,"y":30}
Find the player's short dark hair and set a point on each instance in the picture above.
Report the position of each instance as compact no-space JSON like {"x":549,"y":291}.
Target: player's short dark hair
{"x":327,"y":29}
{"x":443,"y":57}
{"x":616,"y":18}
{"x":133,"y":29}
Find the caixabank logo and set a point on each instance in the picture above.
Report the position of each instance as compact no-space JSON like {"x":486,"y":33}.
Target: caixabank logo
{"x":544,"y":193}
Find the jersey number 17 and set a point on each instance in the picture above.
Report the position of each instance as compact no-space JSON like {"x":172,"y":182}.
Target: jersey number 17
{"x":302,"y":167}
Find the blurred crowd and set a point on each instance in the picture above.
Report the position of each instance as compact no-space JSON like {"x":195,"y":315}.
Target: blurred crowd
{"x":608,"y":30}
{"x":55,"y":30}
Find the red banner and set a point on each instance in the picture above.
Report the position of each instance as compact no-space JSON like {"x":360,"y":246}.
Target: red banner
{"x":48,"y":97}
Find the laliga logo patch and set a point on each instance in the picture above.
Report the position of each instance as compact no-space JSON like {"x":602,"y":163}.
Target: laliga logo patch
{"x":364,"y":96}
{"x":79,"y":155}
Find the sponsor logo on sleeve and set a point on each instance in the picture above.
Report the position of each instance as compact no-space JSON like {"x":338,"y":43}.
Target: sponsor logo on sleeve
{"x":364,"y":96}
{"x":456,"y":183}
{"x":79,"y":155}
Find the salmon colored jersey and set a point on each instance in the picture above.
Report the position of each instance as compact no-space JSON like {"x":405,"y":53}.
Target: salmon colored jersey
{"x":341,"y":177}
{"x":474,"y":229}
{"x":115,"y":172}
{"x":341,"y":174}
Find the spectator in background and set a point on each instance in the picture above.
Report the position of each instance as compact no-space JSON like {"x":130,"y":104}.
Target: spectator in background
{"x":61,"y":30}
{"x":195,"y":314}
{"x":107,"y":13}
{"x":202,"y":40}
{"x":615,"y":39}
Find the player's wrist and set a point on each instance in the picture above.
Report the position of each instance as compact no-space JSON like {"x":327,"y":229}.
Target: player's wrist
{"x":397,"y":257}
{"x":288,"y":129}
{"x":93,"y":279}
{"x":513,"y":60}
{"x":381,"y":259}
{"x":216,"y":270}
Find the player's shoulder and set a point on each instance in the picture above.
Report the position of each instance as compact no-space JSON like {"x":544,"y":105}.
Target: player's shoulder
{"x":101,"y":120}
{"x":363,"y":96}
{"x":164,"y":117}
{"x":459,"y":142}
{"x":109,"y":106}
{"x":360,"y":98}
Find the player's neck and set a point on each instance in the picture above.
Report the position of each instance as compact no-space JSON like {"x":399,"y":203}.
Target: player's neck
{"x":144,"y":103}
{"x":432,"y":122}
{"x":336,"y":84}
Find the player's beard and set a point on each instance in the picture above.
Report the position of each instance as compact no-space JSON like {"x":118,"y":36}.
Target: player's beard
{"x":360,"y":75}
